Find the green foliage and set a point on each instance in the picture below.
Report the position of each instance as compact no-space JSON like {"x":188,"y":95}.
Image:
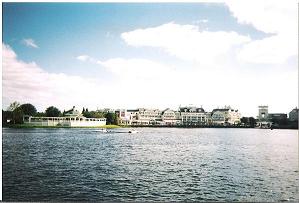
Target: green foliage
{"x":18,"y":116}
{"x":13,"y":106}
{"x":6,"y":116}
{"x":248,"y":121}
{"x":16,"y":113}
{"x":111,"y":118}
{"x":40,"y":114}
{"x":93,"y":114}
{"x":28,"y":109}
{"x":52,"y":112}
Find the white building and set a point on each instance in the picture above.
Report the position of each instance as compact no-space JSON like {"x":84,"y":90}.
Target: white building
{"x":72,"y":118}
{"x":126,"y":117}
{"x":170,"y":117}
{"x":226,"y":116}
{"x":263,"y":113}
{"x":148,"y":116}
{"x":193,"y":116}
{"x":139,"y":116}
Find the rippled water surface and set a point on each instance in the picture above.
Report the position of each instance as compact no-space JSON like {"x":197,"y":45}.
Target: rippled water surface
{"x":161,"y":164}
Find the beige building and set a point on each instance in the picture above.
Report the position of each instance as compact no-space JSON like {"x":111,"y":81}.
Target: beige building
{"x":139,"y":116}
{"x":170,"y":117}
{"x":226,"y":116}
{"x":149,"y":116}
{"x":193,"y":116}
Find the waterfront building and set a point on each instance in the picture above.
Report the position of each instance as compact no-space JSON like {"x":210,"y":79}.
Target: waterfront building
{"x":226,"y":116}
{"x":140,"y":116}
{"x":148,"y":116}
{"x":263,"y":113}
{"x":170,"y":117}
{"x":209,"y":120}
{"x":263,"y":117}
{"x":124,"y":116}
{"x":72,"y":118}
{"x":293,"y":115}
{"x":277,"y":116}
{"x":192,"y":116}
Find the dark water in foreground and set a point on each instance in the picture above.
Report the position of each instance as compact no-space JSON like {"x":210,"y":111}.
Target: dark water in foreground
{"x":156,"y":164}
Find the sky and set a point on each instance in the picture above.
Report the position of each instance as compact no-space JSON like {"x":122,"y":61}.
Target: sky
{"x":153,"y":55}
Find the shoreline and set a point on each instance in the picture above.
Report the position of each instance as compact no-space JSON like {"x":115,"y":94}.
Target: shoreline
{"x":145,"y":126}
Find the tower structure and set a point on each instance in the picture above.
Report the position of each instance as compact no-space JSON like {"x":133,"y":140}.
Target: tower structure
{"x":263,"y":113}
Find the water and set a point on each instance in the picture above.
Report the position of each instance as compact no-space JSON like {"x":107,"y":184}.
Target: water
{"x":160,"y":164}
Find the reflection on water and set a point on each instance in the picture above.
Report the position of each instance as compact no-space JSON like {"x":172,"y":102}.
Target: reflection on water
{"x":161,"y":164}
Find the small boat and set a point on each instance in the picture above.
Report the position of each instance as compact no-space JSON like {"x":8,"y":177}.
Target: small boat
{"x":103,"y":130}
{"x":133,"y":131}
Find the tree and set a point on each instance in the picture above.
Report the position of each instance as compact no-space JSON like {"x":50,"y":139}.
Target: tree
{"x":248,"y":121}
{"x":52,"y":112}
{"x":28,"y":109}
{"x":40,"y":114}
{"x":111,"y":118}
{"x":244,"y":120}
{"x":13,"y":106}
{"x":252,"y":122}
{"x":6,"y":117}
{"x":93,"y":114}
{"x":17,"y":114}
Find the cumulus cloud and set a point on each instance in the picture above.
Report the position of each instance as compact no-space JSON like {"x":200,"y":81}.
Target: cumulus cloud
{"x":275,"y":17}
{"x":135,"y":68}
{"x":29,"y":43}
{"x":27,"y":82}
{"x":186,"y":42}
{"x":145,"y":83}
{"x":85,"y":58}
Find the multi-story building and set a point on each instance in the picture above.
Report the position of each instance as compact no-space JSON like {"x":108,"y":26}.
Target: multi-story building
{"x":139,"y":116}
{"x":226,"y":116}
{"x":170,"y":117}
{"x":293,"y":115}
{"x":124,"y":116}
{"x":149,"y":116}
{"x":277,"y":116}
{"x":263,"y":120}
{"x":193,"y":116}
{"x":263,"y":113}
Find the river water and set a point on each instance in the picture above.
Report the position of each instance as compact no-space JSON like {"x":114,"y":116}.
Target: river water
{"x":156,"y":164}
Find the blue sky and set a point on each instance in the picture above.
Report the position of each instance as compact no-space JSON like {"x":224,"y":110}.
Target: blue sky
{"x":111,"y":35}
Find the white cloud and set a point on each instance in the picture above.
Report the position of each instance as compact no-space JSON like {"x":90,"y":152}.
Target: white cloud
{"x":145,"y":83}
{"x":27,"y":82}
{"x":85,"y":58}
{"x":135,"y":68}
{"x":186,"y":41}
{"x":270,"y":16}
{"x":276,"y":17}
{"x":30,"y":43}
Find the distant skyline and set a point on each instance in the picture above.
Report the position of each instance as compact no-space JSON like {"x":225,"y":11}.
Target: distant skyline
{"x":153,"y":55}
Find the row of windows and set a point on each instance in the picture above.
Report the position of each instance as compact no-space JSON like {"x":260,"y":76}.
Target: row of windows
{"x":192,"y":117}
{"x":67,"y":119}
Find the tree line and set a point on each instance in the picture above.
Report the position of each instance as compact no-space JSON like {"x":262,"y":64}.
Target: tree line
{"x":15,"y":112}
